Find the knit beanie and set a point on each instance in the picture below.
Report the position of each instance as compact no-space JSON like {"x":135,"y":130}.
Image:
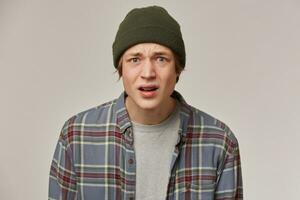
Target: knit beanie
{"x":151,"y":24}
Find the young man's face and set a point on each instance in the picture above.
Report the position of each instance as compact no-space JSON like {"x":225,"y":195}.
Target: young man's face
{"x":149,"y":76}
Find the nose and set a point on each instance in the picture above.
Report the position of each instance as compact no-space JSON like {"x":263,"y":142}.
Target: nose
{"x":148,"y":70}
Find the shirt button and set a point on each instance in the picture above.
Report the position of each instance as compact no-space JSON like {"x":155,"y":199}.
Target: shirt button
{"x":130,"y":161}
{"x":188,"y":185}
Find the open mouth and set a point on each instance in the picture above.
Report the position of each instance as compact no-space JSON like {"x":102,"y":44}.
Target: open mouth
{"x":148,"y":89}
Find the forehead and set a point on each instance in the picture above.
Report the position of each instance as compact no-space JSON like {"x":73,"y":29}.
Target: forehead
{"x":148,"y":48}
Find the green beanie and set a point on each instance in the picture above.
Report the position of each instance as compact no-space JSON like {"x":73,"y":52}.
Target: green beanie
{"x":151,"y":24}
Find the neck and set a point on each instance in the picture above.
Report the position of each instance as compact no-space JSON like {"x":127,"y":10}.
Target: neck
{"x":150,"y":116}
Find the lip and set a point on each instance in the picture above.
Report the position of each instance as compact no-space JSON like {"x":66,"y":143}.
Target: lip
{"x":148,"y":86}
{"x":148,"y":94}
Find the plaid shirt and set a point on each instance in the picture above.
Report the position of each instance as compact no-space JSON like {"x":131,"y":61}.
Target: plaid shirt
{"x":95,"y":158}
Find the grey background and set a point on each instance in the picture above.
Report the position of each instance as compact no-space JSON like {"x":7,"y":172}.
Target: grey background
{"x":243,"y":59}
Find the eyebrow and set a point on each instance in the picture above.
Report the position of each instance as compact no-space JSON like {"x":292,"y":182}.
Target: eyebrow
{"x":135,"y":54}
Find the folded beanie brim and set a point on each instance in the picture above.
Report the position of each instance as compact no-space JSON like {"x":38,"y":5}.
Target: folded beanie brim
{"x":148,"y":34}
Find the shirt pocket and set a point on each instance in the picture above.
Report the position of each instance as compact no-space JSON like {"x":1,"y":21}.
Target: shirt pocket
{"x":202,"y":191}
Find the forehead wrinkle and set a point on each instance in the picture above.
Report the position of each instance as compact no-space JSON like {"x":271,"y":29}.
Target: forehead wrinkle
{"x":148,"y":49}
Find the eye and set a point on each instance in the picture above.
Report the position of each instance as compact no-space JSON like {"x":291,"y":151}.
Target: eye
{"x":134,"y":60}
{"x":161,"y":59}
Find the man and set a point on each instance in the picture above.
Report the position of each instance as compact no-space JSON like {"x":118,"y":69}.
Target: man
{"x":149,"y":143}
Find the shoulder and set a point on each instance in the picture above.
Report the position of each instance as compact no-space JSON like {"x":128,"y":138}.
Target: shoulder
{"x":96,"y":116}
{"x":209,"y":126}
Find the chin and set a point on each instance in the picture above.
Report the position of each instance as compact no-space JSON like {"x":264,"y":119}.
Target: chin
{"x":148,"y":105}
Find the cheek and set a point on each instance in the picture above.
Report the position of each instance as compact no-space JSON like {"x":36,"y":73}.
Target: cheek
{"x":127,"y":84}
{"x":170,"y":81}
{"x":126,"y":75}
{"x":130,"y":74}
{"x":128,"y":79}
{"x":172,"y":77}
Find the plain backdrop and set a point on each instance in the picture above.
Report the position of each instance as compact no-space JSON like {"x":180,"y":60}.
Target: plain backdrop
{"x":243,"y":67}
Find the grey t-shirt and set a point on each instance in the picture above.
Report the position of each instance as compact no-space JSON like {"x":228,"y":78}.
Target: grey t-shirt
{"x":154,"y":146}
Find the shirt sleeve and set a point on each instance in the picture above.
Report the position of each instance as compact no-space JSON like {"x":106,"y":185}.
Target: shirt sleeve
{"x":62,"y":180}
{"x":229,"y":180}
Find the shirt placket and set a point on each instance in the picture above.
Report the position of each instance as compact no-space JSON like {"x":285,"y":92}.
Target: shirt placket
{"x":130,"y":166}
{"x":172,"y":182}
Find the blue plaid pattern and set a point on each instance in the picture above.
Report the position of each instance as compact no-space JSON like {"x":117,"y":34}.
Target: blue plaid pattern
{"x":95,"y":159}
